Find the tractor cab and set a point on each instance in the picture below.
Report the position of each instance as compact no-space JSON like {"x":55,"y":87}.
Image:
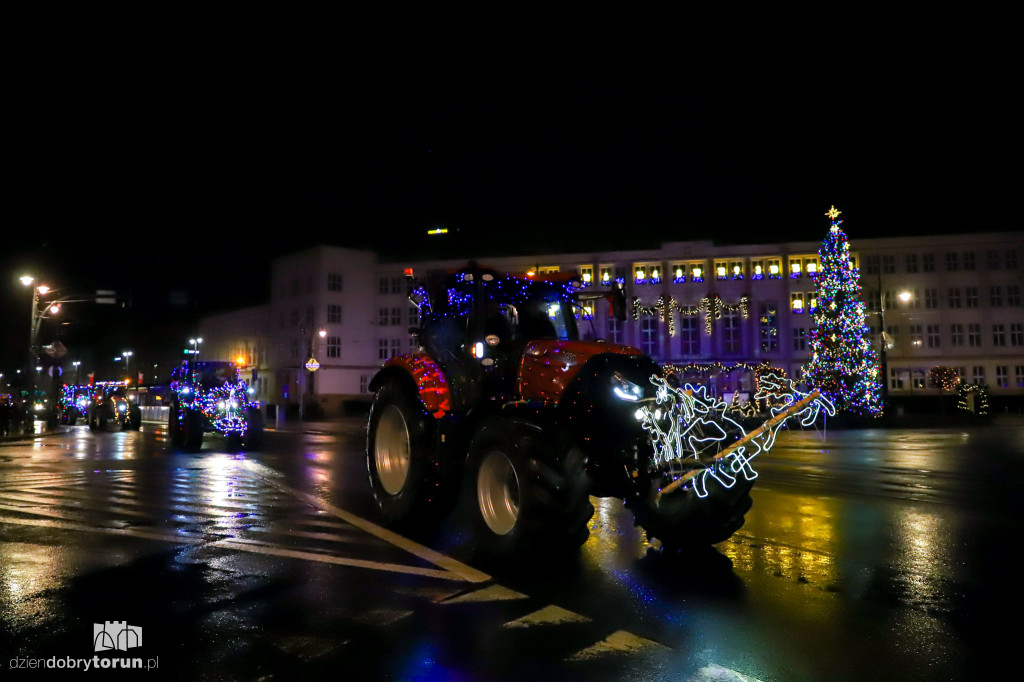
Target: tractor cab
{"x":478,"y":324}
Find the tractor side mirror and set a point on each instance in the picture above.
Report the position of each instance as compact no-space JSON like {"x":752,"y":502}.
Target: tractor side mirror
{"x":511,"y":315}
{"x":618,"y":300}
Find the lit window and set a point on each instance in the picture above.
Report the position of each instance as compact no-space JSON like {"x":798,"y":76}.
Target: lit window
{"x":796,"y":302}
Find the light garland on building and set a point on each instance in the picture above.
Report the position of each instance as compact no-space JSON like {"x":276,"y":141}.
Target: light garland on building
{"x":712,"y":307}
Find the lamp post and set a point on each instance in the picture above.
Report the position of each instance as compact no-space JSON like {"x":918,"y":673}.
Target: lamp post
{"x":311,"y":366}
{"x":904,"y":296}
{"x":38,"y":312}
{"x":128,"y":364}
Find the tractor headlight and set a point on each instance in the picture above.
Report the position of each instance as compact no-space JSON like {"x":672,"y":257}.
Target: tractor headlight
{"x":626,"y":389}
{"x":220,"y":405}
{"x":121,"y":407}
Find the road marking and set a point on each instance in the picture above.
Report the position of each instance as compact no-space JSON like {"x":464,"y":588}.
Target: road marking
{"x":464,"y":572}
{"x":716,"y":673}
{"x":434,"y":594}
{"x":124,"y":532}
{"x":238,"y":544}
{"x":383,"y":617}
{"x":492,"y":593}
{"x":549,"y":615}
{"x":619,"y":642}
{"x":257,"y":547}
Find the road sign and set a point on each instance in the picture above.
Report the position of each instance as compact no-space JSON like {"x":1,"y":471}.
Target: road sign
{"x":312,"y":365}
{"x":56,"y":350}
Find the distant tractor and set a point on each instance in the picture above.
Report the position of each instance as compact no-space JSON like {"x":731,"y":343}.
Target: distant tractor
{"x":73,"y":403}
{"x":209,"y":397}
{"x":505,"y":402}
{"x":110,"y":405}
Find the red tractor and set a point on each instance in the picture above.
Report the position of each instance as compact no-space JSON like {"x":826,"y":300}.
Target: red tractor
{"x":505,"y":401}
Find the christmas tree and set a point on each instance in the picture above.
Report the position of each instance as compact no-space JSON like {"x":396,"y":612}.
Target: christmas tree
{"x":843,"y":364}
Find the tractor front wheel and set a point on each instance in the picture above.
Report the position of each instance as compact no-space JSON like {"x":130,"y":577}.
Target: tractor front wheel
{"x":681,"y":519}
{"x":253,"y":429}
{"x":193,"y":431}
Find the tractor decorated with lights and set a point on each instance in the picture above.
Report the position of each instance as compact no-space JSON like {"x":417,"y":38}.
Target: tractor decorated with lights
{"x":209,"y":396}
{"x":506,"y":402}
{"x":73,"y":403}
{"x":110,"y":405}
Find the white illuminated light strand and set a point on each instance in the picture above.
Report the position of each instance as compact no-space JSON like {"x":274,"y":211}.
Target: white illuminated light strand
{"x":692,"y":421}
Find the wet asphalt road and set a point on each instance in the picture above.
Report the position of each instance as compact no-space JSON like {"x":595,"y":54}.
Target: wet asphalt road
{"x":871,"y":554}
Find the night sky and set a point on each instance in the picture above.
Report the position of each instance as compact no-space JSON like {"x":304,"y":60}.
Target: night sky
{"x":167,"y":181}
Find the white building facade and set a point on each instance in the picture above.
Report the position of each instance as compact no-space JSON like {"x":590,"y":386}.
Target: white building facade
{"x":963,"y":310}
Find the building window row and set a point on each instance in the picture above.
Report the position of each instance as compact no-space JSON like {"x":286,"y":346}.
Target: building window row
{"x":698,"y":271}
{"x":954,"y":261}
{"x":914,"y":378}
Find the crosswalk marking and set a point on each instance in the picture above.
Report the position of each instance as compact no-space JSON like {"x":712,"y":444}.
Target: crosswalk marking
{"x":619,"y":642}
{"x":549,"y":615}
{"x":492,"y":593}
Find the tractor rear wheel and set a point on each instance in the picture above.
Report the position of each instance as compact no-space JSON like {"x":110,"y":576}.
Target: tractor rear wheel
{"x":412,"y":487}
{"x":527,"y":491}
{"x":681,"y":519}
{"x":253,"y":429}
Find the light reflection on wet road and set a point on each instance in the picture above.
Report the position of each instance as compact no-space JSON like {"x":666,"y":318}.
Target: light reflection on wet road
{"x":868,"y":555}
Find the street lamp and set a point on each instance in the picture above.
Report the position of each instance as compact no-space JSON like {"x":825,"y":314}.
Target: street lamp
{"x":76,"y":364}
{"x":195,"y":344}
{"x":311,"y":366}
{"x":128,"y":364}
{"x":37,"y":314}
{"x":905,"y":296}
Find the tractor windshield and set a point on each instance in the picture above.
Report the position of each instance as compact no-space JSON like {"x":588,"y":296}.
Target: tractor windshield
{"x":547,"y":317}
{"x":213,"y":375}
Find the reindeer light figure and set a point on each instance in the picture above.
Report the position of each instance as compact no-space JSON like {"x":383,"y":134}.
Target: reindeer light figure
{"x":688,"y":428}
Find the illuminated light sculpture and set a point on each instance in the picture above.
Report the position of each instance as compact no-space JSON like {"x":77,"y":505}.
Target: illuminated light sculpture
{"x":693,"y":437}
{"x":712,"y":307}
{"x":974,"y":398}
{"x":843,"y":362}
{"x":698,"y":273}
{"x":680,"y":275}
